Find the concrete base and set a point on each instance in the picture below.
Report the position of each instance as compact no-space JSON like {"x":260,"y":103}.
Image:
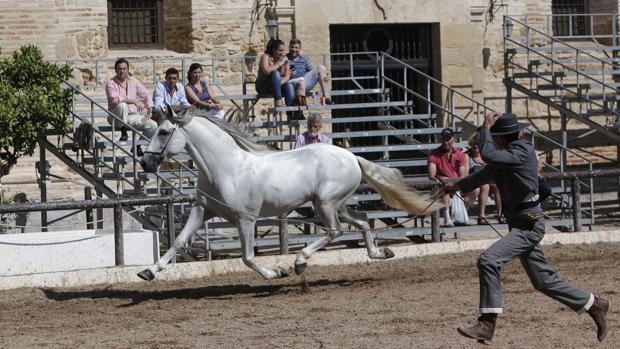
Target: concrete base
{"x":184,"y":271}
{"x":35,"y":253}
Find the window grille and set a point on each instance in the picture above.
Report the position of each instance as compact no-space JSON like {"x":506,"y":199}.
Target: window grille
{"x":569,"y":25}
{"x":135,"y":23}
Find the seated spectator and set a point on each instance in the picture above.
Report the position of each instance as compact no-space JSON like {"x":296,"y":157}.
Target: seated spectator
{"x":447,"y":162}
{"x":313,"y":134}
{"x":170,"y":92}
{"x":482,"y":193}
{"x":274,"y":73}
{"x":200,"y":94}
{"x":305,"y":76}
{"x":129,"y":100}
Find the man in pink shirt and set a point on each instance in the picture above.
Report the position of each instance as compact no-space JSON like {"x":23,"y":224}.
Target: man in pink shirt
{"x":128,"y":99}
{"x":447,"y":162}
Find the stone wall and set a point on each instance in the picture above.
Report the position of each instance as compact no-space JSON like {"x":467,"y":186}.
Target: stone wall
{"x":604,"y":24}
{"x":221,"y":28}
{"x":61,"y":28}
{"x":178,"y":25}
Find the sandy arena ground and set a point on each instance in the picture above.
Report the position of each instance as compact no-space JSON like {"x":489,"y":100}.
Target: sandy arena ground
{"x":410,"y":303}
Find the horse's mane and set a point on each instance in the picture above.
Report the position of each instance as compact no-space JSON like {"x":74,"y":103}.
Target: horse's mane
{"x":241,"y":134}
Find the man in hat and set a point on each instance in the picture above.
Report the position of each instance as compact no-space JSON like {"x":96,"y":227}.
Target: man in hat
{"x":512,"y":165}
{"x":448,"y":162}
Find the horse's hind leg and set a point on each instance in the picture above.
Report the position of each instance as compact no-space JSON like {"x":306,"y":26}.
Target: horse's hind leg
{"x":360,"y":221}
{"x":195,"y":220}
{"x":246,"y":235}
{"x":329,"y":217}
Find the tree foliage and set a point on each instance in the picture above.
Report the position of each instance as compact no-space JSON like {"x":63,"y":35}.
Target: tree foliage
{"x":32,"y":97}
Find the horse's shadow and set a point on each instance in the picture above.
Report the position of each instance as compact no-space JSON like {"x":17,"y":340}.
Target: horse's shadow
{"x":217,"y":292}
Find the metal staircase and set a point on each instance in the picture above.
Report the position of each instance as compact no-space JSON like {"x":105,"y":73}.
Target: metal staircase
{"x":577,"y":74}
{"x":461,"y":111}
{"x":397,"y":122}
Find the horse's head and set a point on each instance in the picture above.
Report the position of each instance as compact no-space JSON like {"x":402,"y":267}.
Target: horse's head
{"x":166,"y":142}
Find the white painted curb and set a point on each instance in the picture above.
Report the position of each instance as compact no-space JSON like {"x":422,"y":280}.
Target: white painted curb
{"x":184,"y":271}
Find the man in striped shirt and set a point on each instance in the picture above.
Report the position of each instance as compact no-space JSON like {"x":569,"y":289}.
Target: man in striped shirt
{"x":305,"y":76}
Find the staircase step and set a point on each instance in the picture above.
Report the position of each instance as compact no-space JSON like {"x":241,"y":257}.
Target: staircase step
{"x":592,"y":97}
{"x":147,"y":176}
{"x":400,"y":147}
{"x":561,"y":86}
{"x":103,"y":101}
{"x":365,"y":91}
{"x":564,"y":48}
{"x":108,"y":144}
{"x":125,"y":159}
{"x":518,"y":75}
{"x":380,"y":133}
{"x":582,"y":59}
{"x":345,"y":120}
{"x":312,"y":107}
{"x":403,"y":163}
{"x":597,"y":112}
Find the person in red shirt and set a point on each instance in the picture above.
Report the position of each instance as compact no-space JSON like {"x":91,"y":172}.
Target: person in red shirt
{"x":447,"y":162}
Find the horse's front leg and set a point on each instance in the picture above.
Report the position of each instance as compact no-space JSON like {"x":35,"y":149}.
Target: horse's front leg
{"x":246,"y":235}
{"x":195,"y":220}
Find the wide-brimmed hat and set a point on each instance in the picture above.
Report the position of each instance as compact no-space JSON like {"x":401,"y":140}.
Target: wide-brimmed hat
{"x":506,"y":124}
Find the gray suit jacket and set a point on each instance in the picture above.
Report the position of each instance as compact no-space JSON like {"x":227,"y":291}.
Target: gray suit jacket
{"x":514,"y":170}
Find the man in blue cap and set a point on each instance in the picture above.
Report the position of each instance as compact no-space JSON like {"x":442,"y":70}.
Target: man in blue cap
{"x":512,"y":165}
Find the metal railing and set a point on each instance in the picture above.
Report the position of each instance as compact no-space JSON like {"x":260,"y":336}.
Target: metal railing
{"x":596,"y":26}
{"x":460,"y":107}
{"x":457,"y":106}
{"x":592,"y":90}
{"x":168,"y":201}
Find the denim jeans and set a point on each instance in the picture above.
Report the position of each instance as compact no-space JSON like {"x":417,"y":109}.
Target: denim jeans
{"x":265,"y":85}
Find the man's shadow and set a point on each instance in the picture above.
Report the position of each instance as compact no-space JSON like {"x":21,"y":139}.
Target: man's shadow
{"x":215,"y":292}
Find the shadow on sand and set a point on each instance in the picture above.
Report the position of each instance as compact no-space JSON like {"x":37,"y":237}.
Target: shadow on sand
{"x":215,"y":292}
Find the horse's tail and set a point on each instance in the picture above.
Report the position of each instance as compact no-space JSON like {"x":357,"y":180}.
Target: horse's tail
{"x":392,"y":188}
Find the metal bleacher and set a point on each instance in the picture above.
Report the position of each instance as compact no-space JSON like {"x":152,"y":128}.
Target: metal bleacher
{"x":395,"y":133}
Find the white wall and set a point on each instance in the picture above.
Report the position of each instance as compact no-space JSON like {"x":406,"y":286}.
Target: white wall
{"x":33,"y":253}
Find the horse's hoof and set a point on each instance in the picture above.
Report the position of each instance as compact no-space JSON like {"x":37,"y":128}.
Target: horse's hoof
{"x":283,"y":273}
{"x":388,"y":253}
{"x":146,"y":274}
{"x":300,"y":268}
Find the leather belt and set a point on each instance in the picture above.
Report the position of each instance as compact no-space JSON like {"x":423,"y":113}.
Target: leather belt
{"x":527,"y":205}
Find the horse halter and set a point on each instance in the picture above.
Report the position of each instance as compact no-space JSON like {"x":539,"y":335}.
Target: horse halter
{"x":161,"y":152}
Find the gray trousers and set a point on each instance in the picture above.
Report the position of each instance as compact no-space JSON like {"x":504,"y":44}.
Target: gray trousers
{"x":523,"y":241}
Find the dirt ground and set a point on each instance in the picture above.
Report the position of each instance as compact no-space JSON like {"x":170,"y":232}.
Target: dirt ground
{"x":410,"y":303}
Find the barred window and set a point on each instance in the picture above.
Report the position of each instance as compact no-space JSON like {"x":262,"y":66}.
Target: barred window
{"x":135,"y":23}
{"x":565,"y":20}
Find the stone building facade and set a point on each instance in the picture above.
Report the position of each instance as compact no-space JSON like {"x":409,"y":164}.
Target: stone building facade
{"x":466,"y":37}
{"x":467,"y":47}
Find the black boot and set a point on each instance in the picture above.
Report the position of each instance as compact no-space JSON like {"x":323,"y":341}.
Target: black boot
{"x":124,"y":135}
{"x":482,"y":331}
{"x":598,"y":311}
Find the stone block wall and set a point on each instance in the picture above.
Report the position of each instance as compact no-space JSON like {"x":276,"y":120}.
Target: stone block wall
{"x":221,"y":28}
{"x":178,"y":25}
{"x":61,"y":28}
{"x":604,"y":24}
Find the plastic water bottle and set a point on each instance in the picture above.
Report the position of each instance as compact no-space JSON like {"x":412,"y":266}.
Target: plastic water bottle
{"x":313,"y":97}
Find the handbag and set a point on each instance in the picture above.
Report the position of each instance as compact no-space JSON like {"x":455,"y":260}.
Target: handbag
{"x":458,"y":211}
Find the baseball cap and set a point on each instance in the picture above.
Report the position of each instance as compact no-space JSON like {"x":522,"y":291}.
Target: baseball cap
{"x":447,"y":132}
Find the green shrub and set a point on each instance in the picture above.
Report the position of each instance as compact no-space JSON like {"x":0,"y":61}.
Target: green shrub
{"x":32,"y":98}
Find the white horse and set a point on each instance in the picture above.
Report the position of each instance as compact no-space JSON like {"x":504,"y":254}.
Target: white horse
{"x":240,"y":180}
